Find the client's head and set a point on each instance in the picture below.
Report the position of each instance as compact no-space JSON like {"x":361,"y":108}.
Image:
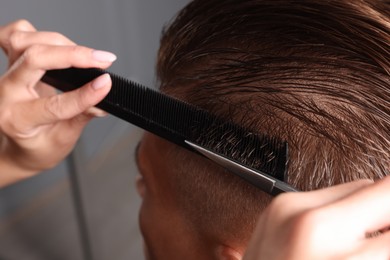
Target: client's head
{"x":313,"y":73}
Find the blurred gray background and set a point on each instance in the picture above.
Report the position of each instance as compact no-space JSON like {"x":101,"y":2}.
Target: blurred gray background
{"x":87,"y":207}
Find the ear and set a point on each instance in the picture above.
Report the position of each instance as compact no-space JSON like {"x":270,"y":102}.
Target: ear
{"x":224,"y":252}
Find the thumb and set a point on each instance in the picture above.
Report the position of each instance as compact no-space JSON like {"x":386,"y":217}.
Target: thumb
{"x":60,"y":107}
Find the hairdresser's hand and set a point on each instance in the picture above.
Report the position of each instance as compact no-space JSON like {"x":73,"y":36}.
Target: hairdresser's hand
{"x":38,"y":128}
{"x":341,"y":222}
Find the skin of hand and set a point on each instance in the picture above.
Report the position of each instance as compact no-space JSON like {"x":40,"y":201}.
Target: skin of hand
{"x":341,"y":222}
{"x":38,"y":127}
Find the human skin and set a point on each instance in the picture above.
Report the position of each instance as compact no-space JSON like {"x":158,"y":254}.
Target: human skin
{"x":33,"y":118}
{"x":348,"y":221}
{"x":332,"y":223}
{"x":167,"y":232}
{"x":324,"y":224}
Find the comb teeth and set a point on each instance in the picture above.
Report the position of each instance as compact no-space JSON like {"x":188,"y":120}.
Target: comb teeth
{"x":255,"y":151}
{"x":178,"y":121}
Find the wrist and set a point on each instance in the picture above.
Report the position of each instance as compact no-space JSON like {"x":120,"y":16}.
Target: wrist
{"x":10,"y":170}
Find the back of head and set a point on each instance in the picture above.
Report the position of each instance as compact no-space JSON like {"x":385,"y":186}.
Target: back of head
{"x":313,"y":73}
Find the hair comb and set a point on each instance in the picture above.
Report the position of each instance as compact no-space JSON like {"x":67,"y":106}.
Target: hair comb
{"x":259,"y":159}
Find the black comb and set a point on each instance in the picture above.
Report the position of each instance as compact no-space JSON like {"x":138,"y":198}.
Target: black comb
{"x":260,"y":159}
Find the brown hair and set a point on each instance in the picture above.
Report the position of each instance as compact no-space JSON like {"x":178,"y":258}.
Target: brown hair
{"x":314,"y":73}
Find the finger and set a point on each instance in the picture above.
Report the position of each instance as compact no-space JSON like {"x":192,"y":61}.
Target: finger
{"x":95,"y":112}
{"x":321,"y":197}
{"x":79,"y":122}
{"x":374,"y":248}
{"x":286,"y":204}
{"x":73,"y":129}
{"x":28,"y":116}
{"x":7,"y":30}
{"x":29,"y":69}
{"x":45,"y":90}
{"x":71,"y":104}
{"x":289,"y":205}
{"x":19,"y":41}
{"x":365,"y":210}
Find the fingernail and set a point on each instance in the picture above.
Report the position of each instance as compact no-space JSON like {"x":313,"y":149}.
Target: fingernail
{"x":101,"y":81}
{"x":103,"y":56}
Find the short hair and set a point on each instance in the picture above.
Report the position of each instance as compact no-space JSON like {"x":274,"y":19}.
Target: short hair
{"x":313,"y":73}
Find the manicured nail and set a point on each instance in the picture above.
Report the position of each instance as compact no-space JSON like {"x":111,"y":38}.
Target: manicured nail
{"x":101,"y":81}
{"x":103,"y":56}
